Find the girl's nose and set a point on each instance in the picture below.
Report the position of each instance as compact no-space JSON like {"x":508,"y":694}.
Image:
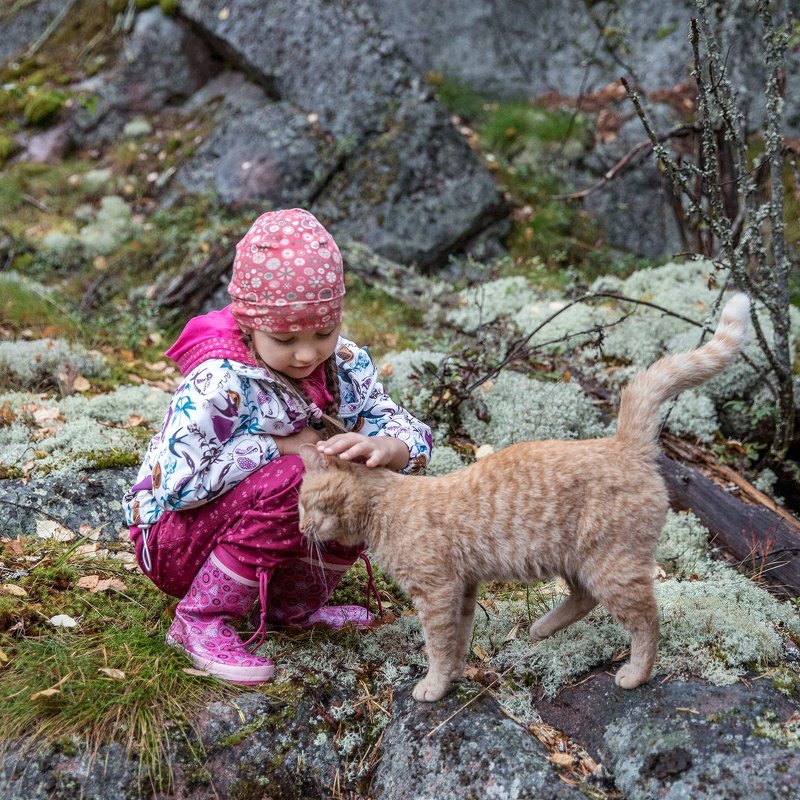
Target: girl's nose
{"x":305,"y":355}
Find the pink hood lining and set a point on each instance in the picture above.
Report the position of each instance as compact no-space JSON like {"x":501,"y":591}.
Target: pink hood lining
{"x":212,"y":335}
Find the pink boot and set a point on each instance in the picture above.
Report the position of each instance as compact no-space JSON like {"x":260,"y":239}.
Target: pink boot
{"x":201,"y":629}
{"x":298,"y":590}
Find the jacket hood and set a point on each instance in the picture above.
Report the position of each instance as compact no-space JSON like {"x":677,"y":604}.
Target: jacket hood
{"x":212,"y":335}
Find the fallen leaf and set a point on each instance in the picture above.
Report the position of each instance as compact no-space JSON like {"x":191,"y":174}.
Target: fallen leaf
{"x":14,"y":547}
{"x":134,"y":421}
{"x":198,"y":672}
{"x":45,"y":693}
{"x":62,"y":621}
{"x":561,"y":759}
{"x":94,"y":583}
{"x":13,"y":589}
{"x":387,"y":370}
{"x":50,"y":529}
{"x":3,"y":657}
{"x":114,"y":674}
{"x":86,"y":550}
{"x":480,"y":652}
{"x":81,"y":384}
{"x":512,"y":634}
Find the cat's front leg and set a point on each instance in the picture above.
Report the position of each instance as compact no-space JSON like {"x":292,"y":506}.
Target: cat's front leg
{"x":439,"y":614}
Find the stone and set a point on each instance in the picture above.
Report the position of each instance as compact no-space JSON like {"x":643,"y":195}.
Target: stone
{"x":178,"y":64}
{"x":682,"y":739}
{"x":85,"y":498}
{"x":408,"y":184}
{"x":451,"y":750}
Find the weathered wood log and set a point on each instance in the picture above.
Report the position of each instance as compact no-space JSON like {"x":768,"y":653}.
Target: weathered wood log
{"x":764,"y":541}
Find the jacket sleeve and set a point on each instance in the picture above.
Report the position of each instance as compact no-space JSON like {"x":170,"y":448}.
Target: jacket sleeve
{"x":374,"y":413}
{"x":215,"y":434}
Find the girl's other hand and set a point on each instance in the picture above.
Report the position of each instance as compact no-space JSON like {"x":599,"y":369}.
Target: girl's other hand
{"x":374,"y":451}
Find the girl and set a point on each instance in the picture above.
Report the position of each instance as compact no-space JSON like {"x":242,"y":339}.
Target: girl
{"x":214,"y":511}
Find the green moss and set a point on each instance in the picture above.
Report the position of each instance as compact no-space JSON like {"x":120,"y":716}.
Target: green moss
{"x":7,"y":147}
{"x":10,"y":473}
{"x":169,"y":7}
{"x":43,"y":105}
{"x":113,"y":459}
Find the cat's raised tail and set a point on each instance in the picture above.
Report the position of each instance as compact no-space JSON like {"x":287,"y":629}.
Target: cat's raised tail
{"x":638,"y":419}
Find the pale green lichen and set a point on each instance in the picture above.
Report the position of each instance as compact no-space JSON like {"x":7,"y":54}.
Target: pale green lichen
{"x":112,"y":226}
{"x":693,"y":414}
{"x":78,"y":432}
{"x":400,"y":374}
{"x":42,"y":360}
{"x":716,"y":623}
{"x":489,"y":301}
{"x":444,"y":460}
{"x":524,"y":409}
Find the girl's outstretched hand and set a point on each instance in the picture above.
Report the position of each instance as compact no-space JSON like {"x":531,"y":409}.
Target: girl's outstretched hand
{"x":374,"y":451}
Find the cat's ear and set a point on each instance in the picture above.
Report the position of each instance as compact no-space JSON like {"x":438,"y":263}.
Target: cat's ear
{"x":312,"y":458}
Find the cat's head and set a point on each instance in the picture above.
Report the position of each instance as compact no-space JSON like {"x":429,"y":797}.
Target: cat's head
{"x":326,"y":504}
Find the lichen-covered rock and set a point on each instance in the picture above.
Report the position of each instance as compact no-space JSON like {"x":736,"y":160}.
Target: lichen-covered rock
{"x":409,"y":186}
{"x":177,"y":64}
{"x":268,"y":153}
{"x":80,"y":498}
{"x":23,"y":23}
{"x":683,"y":740}
{"x":450,"y":751}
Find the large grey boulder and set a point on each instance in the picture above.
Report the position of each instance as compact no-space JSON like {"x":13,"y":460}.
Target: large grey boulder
{"x":462,"y":747}
{"x":23,"y":23}
{"x":259,"y":151}
{"x":409,"y":185}
{"x":161,"y":63}
{"x":684,"y":739}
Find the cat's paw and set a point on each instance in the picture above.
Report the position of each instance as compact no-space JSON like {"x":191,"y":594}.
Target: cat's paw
{"x":536,"y":633}
{"x":430,"y":689}
{"x":628,"y":677}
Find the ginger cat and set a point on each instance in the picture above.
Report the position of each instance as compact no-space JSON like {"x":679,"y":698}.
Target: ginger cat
{"x":590,"y":511}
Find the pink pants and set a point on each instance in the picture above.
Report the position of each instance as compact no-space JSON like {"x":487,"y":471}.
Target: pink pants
{"x":252,"y":529}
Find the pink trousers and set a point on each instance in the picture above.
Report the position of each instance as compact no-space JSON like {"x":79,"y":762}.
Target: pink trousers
{"x":252,"y":529}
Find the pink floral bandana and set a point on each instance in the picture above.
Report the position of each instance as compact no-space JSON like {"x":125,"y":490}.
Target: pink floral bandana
{"x":287,"y":274}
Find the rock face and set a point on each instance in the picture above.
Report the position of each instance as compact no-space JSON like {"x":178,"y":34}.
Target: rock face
{"x":407,"y":183}
{"x":87,"y":498}
{"x":178,"y":64}
{"x":470,"y":752}
{"x":684,"y":739}
{"x":23,"y":24}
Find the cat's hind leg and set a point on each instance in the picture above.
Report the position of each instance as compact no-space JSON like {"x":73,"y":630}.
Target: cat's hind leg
{"x":468,"y":604}
{"x":440,"y":614}
{"x":575,"y":606}
{"x":634,"y":607}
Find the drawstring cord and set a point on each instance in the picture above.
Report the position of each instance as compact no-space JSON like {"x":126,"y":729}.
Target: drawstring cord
{"x":263,"y":581}
{"x":371,"y":587}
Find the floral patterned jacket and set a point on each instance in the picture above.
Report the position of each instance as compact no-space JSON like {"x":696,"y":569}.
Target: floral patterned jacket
{"x":223,"y":418}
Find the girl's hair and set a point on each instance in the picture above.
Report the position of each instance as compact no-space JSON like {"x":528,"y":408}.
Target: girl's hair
{"x":330,"y":414}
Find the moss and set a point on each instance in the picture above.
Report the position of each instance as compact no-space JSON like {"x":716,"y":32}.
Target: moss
{"x":113,"y":459}
{"x":43,"y":105}
{"x":7,"y":147}
{"x":239,"y":736}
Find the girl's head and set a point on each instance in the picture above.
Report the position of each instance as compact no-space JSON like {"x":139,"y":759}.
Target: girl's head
{"x":286,"y":290}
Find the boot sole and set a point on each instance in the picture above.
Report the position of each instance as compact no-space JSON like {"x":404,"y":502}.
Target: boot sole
{"x":243,"y":676}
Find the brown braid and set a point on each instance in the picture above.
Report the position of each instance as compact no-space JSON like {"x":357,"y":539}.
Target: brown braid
{"x":330,"y":414}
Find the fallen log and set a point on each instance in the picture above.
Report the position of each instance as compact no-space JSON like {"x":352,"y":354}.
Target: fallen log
{"x":762,"y":538}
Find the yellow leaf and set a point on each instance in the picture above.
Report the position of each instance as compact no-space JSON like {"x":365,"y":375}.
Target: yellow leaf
{"x":3,"y":657}
{"x":480,"y":652}
{"x":13,"y":589}
{"x":561,"y":759}
{"x":45,"y":693}
{"x":114,"y":674}
{"x":80,"y":384}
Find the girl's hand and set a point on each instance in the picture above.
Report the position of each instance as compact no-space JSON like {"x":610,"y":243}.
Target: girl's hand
{"x":374,"y":451}
{"x":290,"y":445}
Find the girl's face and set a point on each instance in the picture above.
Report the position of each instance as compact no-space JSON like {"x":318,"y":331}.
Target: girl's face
{"x":296,"y":354}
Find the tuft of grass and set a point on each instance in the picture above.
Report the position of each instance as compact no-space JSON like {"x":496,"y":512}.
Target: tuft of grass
{"x":26,"y":305}
{"x":121,"y":629}
{"x":374,"y":318}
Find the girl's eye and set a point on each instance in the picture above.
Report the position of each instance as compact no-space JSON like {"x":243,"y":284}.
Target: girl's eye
{"x":281,"y":341}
